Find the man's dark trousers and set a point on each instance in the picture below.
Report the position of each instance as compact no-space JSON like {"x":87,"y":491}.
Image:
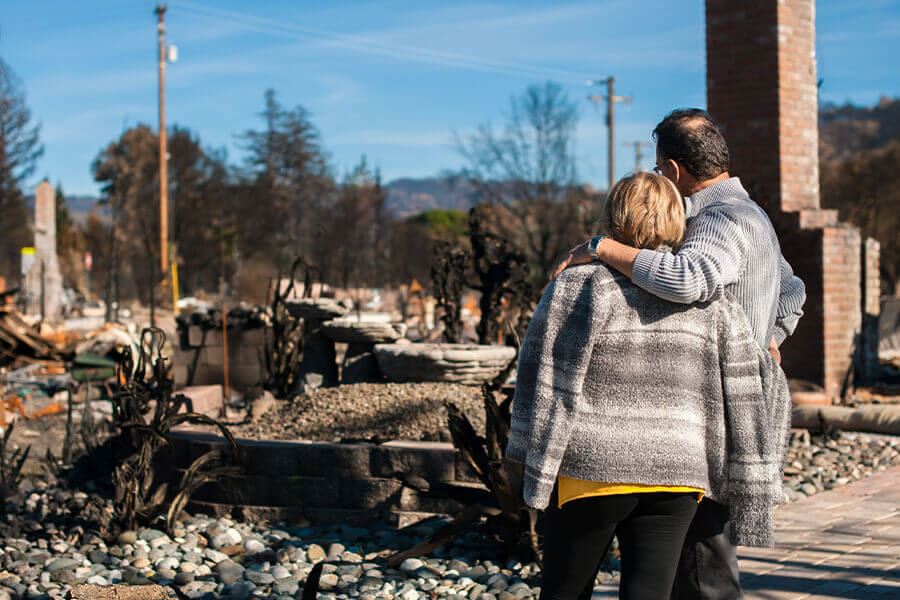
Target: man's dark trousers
{"x":708,"y":568}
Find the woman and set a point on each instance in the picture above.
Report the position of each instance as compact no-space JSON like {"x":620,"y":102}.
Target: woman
{"x":637,"y":407}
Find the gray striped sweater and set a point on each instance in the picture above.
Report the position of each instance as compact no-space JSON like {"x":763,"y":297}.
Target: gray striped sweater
{"x":616,"y":385}
{"x":729,"y":245}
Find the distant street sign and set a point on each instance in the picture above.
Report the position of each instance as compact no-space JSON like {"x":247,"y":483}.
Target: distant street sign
{"x":28,"y":254}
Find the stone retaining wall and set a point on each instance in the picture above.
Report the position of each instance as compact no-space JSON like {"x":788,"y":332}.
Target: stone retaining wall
{"x":324,"y":482}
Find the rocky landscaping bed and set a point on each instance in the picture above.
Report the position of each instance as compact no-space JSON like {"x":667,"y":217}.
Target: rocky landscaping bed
{"x":51,"y":538}
{"x":49,"y":546}
{"x":816,"y":463}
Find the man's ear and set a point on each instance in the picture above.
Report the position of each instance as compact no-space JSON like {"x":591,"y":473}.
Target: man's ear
{"x":676,"y":170}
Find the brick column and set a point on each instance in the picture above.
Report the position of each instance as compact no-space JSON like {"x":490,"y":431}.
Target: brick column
{"x":871,"y":310}
{"x":762,"y":90}
{"x":842,"y":323}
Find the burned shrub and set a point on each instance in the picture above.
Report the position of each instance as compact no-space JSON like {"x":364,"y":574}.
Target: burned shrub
{"x":502,"y":275}
{"x":284,"y":342}
{"x":498,"y":507}
{"x":145,"y":408}
{"x":449,"y":278}
{"x":492,"y":267}
{"x":11,"y":463}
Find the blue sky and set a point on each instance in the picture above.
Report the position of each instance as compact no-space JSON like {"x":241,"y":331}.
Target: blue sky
{"x":392,"y":80}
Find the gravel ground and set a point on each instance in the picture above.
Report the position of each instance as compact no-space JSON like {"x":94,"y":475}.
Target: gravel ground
{"x":815,"y":463}
{"x":369,"y":411}
{"x":48,"y":538}
{"x":48,"y":546}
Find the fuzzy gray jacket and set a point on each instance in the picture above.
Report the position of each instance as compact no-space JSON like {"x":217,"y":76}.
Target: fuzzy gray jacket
{"x":617,"y":385}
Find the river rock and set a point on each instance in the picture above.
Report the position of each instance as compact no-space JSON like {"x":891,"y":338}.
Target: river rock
{"x":229,"y":571}
{"x":315,"y":553}
{"x":127,"y":537}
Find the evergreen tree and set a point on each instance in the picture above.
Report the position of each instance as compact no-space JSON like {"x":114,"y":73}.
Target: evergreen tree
{"x":287,"y":183}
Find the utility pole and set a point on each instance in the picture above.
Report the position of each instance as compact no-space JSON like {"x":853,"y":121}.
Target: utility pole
{"x":638,"y":154}
{"x":163,"y":167}
{"x":610,"y":98}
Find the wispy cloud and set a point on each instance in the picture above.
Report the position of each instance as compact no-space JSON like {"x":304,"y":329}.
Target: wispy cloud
{"x":883,"y":29}
{"x":119,"y":80}
{"x":189,"y":72}
{"x":389,"y":137}
{"x":381,"y":44}
{"x":462,"y":17}
{"x":530,"y":43}
{"x":339,"y":90}
{"x":84,"y":124}
{"x":498,"y":32}
{"x":101,"y":82}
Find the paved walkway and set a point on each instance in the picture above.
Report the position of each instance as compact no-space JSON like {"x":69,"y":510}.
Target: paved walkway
{"x":839,"y":544}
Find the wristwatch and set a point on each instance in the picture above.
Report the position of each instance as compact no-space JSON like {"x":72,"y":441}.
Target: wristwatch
{"x":594,"y":244}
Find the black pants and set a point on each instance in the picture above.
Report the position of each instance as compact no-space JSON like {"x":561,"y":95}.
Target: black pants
{"x":650,"y":528}
{"x":708,"y":569}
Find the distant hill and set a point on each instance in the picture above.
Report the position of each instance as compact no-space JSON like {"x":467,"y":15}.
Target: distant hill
{"x":79,"y":206}
{"x":76,"y":204}
{"x":407,"y":196}
{"x":846,"y":130}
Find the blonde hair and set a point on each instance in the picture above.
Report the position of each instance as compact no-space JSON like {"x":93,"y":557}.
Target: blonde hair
{"x":644,"y":210}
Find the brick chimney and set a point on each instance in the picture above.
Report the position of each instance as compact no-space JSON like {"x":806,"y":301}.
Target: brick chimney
{"x":762,"y":90}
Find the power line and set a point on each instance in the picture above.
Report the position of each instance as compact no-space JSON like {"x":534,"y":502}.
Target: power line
{"x":368,"y":45}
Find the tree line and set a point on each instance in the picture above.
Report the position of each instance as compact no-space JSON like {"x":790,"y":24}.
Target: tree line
{"x":245,"y":222}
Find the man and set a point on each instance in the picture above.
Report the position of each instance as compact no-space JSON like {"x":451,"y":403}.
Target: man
{"x":730,"y":245}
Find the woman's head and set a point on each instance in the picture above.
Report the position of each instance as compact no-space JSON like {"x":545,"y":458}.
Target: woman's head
{"x":644,"y":210}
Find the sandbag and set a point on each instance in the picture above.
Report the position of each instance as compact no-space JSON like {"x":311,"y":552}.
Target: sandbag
{"x":871,"y":418}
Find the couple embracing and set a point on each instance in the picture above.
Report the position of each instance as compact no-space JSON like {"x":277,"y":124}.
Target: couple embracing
{"x":650,"y":404}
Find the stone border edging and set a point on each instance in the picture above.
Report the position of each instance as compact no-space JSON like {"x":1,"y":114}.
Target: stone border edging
{"x":323,"y":482}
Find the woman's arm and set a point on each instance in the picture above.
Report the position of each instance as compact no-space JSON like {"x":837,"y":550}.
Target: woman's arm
{"x":553,"y":362}
{"x":710,"y":258}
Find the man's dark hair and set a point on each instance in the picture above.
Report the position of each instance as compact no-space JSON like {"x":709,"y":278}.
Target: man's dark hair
{"x":691,"y":138}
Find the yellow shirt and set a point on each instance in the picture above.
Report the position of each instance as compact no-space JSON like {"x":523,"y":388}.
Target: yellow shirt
{"x":575,"y":489}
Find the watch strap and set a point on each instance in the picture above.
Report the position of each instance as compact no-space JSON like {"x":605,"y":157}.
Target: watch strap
{"x":594,"y":244}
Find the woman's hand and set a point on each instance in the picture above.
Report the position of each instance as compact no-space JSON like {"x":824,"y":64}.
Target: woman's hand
{"x":578,"y":255}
